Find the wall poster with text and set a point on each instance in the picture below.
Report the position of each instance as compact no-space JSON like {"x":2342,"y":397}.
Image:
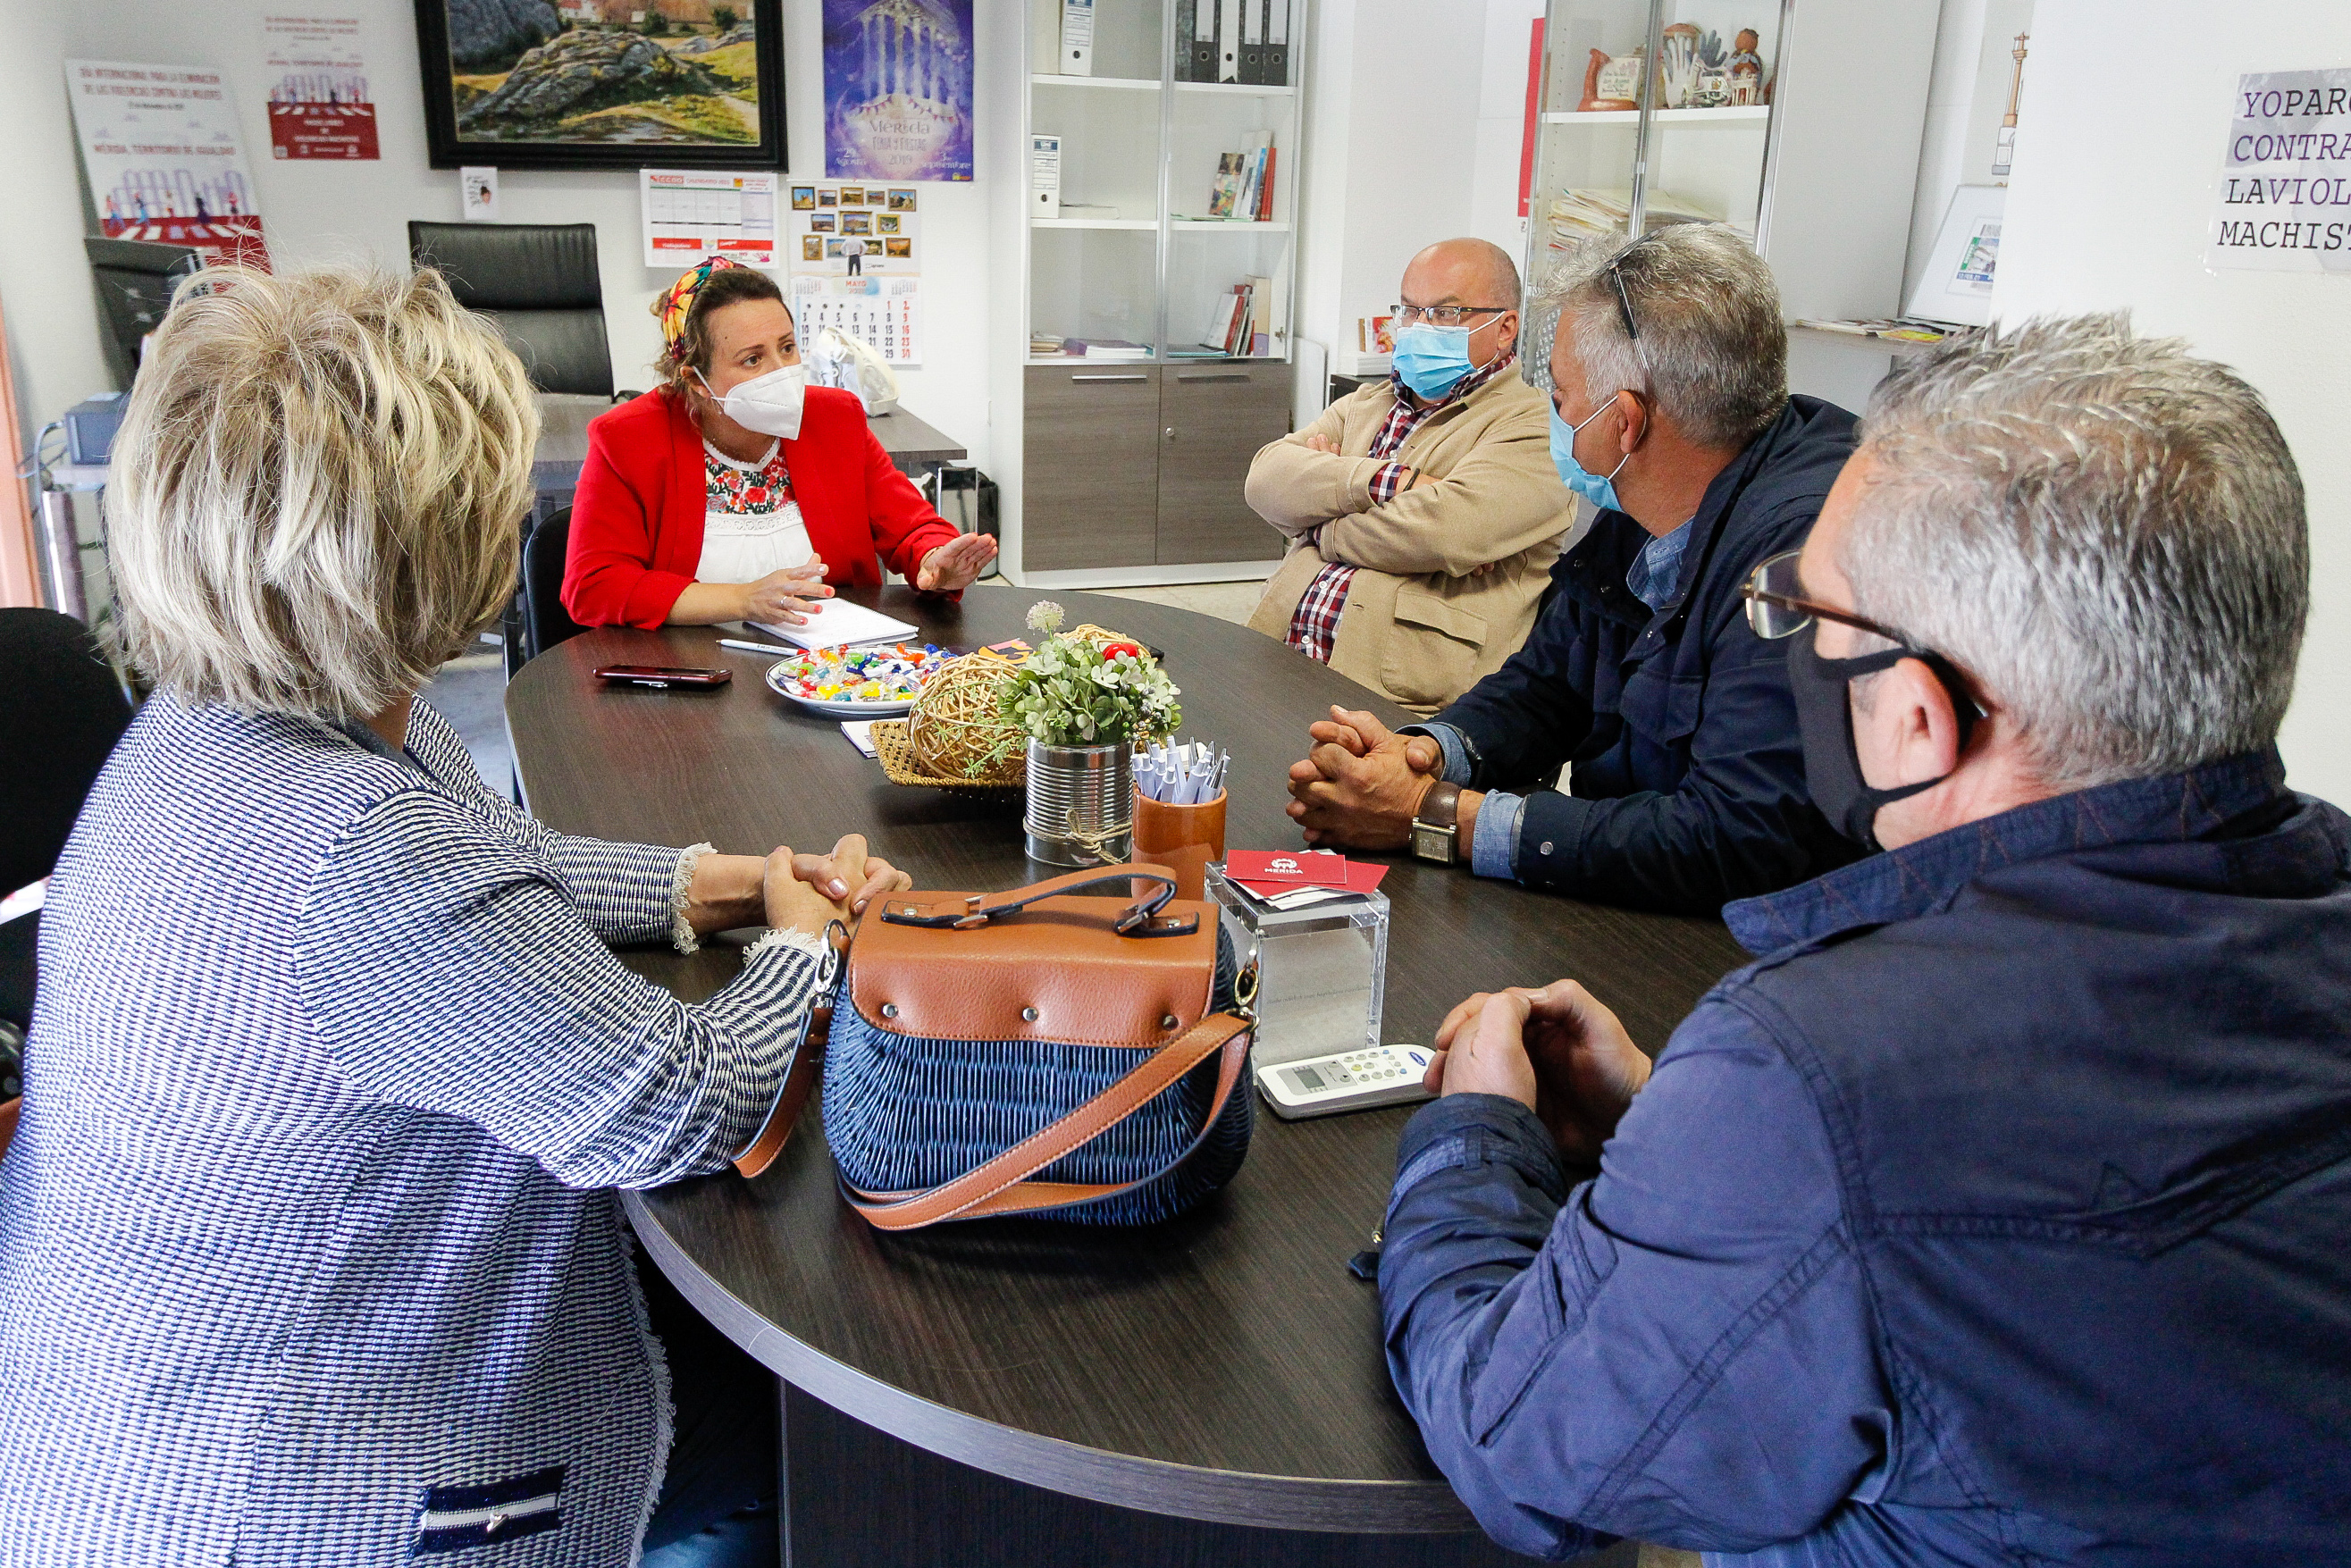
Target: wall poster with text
{"x":897,"y":89}
{"x":159,"y":149}
{"x":319,"y":103}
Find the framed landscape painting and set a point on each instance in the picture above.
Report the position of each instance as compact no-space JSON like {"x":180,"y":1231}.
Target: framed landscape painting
{"x":566,"y":84}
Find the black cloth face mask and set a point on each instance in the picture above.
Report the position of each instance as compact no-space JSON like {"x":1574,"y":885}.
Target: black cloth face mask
{"x":1824,"y":719}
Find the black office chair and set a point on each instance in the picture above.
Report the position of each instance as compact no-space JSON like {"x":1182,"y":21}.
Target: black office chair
{"x":545,"y":621}
{"x":540,"y":282}
{"x":62,"y":712}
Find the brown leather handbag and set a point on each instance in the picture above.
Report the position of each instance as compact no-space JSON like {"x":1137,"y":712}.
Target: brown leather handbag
{"x":1034,"y":1053}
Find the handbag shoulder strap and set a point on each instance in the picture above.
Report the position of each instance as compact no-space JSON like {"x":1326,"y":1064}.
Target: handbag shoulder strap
{"x":799,"y":1079}
{"x":978,"y":908}
{"x":1001,"y":1185}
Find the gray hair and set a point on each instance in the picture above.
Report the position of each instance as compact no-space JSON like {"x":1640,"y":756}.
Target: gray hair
{"x":317,"y":489}
{"x":1712,"y":350}
{"x":2106,"y":532}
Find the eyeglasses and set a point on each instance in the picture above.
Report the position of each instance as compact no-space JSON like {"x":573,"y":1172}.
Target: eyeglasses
{"x":1444,"y":315}
{"x":1776,"y":607}
{"x":1623,"y":298}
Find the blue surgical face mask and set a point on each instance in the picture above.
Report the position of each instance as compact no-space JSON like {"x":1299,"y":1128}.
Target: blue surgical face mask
{"x":1434,"y":359}
{"x":1600,"y":489}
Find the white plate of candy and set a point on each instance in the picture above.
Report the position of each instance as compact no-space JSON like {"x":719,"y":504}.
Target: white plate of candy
{"x":878,"y":681}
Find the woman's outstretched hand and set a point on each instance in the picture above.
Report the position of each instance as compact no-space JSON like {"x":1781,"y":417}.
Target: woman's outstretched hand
{"x":955,"y":564}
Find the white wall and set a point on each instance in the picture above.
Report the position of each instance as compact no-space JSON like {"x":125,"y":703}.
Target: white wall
{"x":2130,"y":113}
{"x":336,"y":211}
{"x":1412,"y":120}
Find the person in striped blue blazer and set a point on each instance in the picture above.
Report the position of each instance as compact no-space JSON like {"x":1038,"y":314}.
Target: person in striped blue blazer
{"x":309,"y":1251}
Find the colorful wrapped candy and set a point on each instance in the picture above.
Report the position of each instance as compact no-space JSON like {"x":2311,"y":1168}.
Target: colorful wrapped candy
{"x":892,"y":674}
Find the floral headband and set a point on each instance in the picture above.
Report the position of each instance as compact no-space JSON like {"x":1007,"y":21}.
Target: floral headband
{"x":675,"y":303}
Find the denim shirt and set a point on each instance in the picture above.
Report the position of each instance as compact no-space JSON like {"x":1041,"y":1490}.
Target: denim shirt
{"x":1995,"y":1215}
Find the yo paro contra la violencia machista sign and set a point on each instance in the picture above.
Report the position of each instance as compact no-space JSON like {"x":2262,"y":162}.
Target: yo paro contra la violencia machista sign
{"x":2282,"y":202}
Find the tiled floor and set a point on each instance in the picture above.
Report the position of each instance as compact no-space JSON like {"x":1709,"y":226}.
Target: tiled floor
{"x":1226,"y":601}
{"x":471,"y":693}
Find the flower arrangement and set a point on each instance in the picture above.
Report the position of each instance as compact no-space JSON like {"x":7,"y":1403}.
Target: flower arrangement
{"x":1076,"y":692}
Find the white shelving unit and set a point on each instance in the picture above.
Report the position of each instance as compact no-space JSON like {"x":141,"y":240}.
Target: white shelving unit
{"x":1132,"y":257}
{"x":1821,"y":177}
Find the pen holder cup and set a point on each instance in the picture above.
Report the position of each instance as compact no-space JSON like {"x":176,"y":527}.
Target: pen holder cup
{"x":1184,"y":839}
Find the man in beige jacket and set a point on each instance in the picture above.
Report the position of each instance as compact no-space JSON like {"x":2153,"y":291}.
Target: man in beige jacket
{"x":1424,"y":511}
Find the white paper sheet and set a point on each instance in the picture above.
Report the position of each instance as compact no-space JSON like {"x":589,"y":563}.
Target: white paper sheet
{"x":835,"y":622}
{"x":860,"y":734}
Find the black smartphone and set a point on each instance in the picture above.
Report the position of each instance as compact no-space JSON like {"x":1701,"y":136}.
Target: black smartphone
{"x":661,"y":675}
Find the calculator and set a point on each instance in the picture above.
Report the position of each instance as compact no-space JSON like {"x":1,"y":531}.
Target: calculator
{"x":1346,"y":1081}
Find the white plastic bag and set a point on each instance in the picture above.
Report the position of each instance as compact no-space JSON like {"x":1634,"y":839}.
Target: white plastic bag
{"x":834,"y":358}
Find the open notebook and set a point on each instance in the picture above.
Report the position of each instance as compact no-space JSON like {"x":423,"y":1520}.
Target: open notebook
{"x":836,"y":620}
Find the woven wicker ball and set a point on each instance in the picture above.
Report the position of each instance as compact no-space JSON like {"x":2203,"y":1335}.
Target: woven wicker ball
{"x":955,"y":722}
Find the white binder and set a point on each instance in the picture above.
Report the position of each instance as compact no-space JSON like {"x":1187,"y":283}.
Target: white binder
{"x":1077,"y":37}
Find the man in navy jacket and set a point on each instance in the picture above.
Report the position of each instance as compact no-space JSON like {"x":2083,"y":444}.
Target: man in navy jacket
{"x":1996,"y":1213}
{"x":1669,"y":367}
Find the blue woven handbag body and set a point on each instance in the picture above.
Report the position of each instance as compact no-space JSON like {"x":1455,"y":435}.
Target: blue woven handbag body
{"x":910,"y":1107}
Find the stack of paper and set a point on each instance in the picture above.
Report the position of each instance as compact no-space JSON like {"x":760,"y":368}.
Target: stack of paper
{"x":835,"y":622}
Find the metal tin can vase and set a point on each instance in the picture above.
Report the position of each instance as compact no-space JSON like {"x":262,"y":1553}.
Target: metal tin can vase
{"x":1080,"y":804}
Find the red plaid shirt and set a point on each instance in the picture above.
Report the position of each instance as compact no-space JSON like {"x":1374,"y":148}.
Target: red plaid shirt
{"x":1314,"y":625}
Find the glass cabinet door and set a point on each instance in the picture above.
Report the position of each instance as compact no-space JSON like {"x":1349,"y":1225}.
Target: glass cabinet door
{"x":1093,"y":254}
{"x":1654,"y":112}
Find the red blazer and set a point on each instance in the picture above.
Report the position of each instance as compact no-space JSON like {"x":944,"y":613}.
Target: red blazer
{"x":636,"y":518}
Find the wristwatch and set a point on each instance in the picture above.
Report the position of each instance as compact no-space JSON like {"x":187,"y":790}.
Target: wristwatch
{"x":1436,"y":826}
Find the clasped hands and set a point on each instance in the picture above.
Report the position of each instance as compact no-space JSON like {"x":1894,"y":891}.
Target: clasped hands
{"x":1555,"y":1051}
{"x":789,"y":892}
{"x":1360,"y":786}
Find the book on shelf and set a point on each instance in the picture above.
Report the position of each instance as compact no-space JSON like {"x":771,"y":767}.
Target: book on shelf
{"x":1901,"y":330}
{"x":1228,"y":325}
{"x":1242,"y":41}
{"x":1105,"y":348}
{"x":1043,"y":343}
{"x":1243,"y":190}
{"x":1260,"y":317}
{"x":1376,"y":335}
{"x":1581,"y":213}
{"x":1044,"y":176}
{"x":1276,"y":43}
{"x":1077,"y":37}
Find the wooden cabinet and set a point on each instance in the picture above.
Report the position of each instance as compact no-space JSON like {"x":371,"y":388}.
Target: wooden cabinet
{"x":1214,"y":416}
{"x":1145,"y":464}
{"x":1090,"y":462}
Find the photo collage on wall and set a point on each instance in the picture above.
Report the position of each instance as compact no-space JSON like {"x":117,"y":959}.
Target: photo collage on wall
{"x":855,"y":231}
{"x":856,"y":256}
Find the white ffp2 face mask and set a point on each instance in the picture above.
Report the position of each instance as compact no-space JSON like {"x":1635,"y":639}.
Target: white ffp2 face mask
{"x":770,"y":405}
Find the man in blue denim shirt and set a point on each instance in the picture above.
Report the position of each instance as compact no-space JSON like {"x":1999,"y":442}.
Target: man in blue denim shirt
{"x":1996,"y":1215}
{"x":1670,"y":413}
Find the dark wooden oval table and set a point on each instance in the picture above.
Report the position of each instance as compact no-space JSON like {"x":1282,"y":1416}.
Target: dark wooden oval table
{"x":1221,"y":1373}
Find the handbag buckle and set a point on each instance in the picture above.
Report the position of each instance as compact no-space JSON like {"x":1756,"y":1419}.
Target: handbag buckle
{"x":1244,"y":986}
{"x":1138,"y":920}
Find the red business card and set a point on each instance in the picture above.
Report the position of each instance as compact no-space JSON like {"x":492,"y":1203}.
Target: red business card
{"x":1286,"y":868}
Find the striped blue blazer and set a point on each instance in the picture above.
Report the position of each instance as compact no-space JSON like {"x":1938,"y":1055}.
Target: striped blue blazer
{"x":310,"y":1252}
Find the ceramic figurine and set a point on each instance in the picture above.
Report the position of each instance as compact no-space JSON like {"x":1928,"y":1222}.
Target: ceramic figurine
{"x":1746,"y":68}
{"x":1677,"y":65}
{"x":1609,"y":84}
{"x":1712,"y":90}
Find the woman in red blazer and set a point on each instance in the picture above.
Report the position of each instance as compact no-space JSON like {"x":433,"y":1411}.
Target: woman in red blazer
{"x":736,"y":492}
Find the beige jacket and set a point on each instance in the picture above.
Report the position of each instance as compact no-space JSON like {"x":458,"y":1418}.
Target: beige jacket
{"x":1417,"y":625}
